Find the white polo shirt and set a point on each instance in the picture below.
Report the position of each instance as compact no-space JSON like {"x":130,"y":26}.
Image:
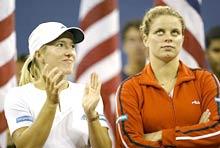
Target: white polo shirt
{"x":69,"y":129}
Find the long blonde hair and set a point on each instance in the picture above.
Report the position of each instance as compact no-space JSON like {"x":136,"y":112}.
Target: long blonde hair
{"x":30,"y":71}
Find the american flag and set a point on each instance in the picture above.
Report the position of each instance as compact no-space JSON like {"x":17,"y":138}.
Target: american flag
{"x":7,"y":55}
{"x":99,"y":52}
{"x":194,"y":40}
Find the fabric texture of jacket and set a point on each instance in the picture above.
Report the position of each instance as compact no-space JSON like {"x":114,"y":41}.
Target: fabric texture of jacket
{"x":143,"y":106}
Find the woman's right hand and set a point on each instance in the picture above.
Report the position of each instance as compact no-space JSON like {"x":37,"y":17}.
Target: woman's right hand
{"x":53,"y":83}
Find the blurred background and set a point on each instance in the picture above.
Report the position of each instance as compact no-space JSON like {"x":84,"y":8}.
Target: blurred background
{"x":103,"y":22}
{"x":30,"y":13}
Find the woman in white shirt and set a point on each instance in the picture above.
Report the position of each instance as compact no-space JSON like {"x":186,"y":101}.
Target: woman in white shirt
{"x":46,"y":110}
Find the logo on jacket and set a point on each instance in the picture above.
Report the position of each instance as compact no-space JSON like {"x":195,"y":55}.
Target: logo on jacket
{"x":195,"y":102}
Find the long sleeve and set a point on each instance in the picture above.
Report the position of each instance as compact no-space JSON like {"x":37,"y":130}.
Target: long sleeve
{"x":130,"y":131}
{"x":205,"y":134}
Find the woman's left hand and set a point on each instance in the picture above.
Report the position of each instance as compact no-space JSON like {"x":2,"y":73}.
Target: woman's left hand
{"x":91,"y":95}
{"x":156,"y":136}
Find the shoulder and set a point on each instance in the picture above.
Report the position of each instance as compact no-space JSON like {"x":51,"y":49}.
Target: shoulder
{"x":16,"y":94}
{"x":131,"y":83}
{"x":205,"y":79}
{"x":15,"y":91}
{"x":202,"y":74}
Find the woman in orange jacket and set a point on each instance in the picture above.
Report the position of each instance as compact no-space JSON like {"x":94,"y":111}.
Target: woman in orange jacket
{"x":167,"y":104}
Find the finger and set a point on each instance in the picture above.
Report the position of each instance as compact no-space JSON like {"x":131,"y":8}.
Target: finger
{"x":86,"y":91}
{"x":45,"y":69}
{"x":202,"y":117}
{"x":205,"y":116}
{"x":95,"y":80}
{"x":53,"y":72}
{"x":99,"y":86}
{"x":87,"y":88}
{"x":61,"y":84}
{"x":50,"y":77}
{"x":57,"y":77}
{"x":45,"y":72}
{"x":92,"y":80}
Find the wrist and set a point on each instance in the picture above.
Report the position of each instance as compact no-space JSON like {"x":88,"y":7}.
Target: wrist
{"x":51,"y":104}
{"x":92,"y":116}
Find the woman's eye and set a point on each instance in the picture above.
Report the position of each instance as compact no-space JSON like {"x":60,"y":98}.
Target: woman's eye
{"x":160,"y":32}
{"x":175,"y":33}
{"x":60,"y":45}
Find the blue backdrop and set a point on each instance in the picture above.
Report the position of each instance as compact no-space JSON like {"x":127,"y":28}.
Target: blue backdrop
{"x":30,"y":13}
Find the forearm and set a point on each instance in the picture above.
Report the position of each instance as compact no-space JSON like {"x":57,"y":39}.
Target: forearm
{"x":205,"y":134}
{"x":98,"y":135}
{"x":36,"y":135}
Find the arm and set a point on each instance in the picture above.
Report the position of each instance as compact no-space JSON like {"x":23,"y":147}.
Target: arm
{"x":31,"y":136}
{"x":98,"y":135}
{"x":129,"y":131}
{"x":204,"y":134}
{"x":37,"y":133}
{"x":157,"y":136}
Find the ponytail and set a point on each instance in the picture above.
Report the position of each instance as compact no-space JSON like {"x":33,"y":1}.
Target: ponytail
{"x":30,"y":71}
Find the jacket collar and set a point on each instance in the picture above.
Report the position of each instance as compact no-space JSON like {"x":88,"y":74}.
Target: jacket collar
{"x":147,"y":76}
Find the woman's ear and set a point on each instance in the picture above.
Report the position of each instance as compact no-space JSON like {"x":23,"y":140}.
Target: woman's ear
{"x":39,"y":56}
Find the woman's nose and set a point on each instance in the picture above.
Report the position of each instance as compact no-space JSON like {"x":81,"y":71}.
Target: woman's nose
{"x":69,"y":53}
{"x":168,"y":40}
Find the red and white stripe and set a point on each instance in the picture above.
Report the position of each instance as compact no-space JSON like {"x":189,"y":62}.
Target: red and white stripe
{"x":99,"y":52}
{"x":7,"y":55}
{"x":194,"y":42}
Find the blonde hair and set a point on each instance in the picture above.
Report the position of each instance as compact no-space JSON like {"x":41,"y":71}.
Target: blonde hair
{"x":154,"y":13}
{"x":30,"y":71}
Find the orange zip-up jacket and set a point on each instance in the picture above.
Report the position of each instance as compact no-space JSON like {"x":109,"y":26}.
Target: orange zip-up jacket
{"x":143,"y":106}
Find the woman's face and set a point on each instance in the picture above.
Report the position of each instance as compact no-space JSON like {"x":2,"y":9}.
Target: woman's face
{"x":61,"y":53}
{"x":165,"y":38}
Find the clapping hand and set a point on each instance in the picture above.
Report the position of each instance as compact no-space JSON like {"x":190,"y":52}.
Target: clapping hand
{"x":91,"y":95}
{"x":53,"y":83}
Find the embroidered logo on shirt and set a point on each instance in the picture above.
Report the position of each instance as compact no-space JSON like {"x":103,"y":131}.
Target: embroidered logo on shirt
{"x":195,"y":102}
{"x":24,"y":118}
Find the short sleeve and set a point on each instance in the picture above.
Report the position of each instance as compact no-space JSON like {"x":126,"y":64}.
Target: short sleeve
{"x":16,"y":111}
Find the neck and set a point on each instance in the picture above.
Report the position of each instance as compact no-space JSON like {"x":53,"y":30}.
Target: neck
{"x":165,"y":71}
